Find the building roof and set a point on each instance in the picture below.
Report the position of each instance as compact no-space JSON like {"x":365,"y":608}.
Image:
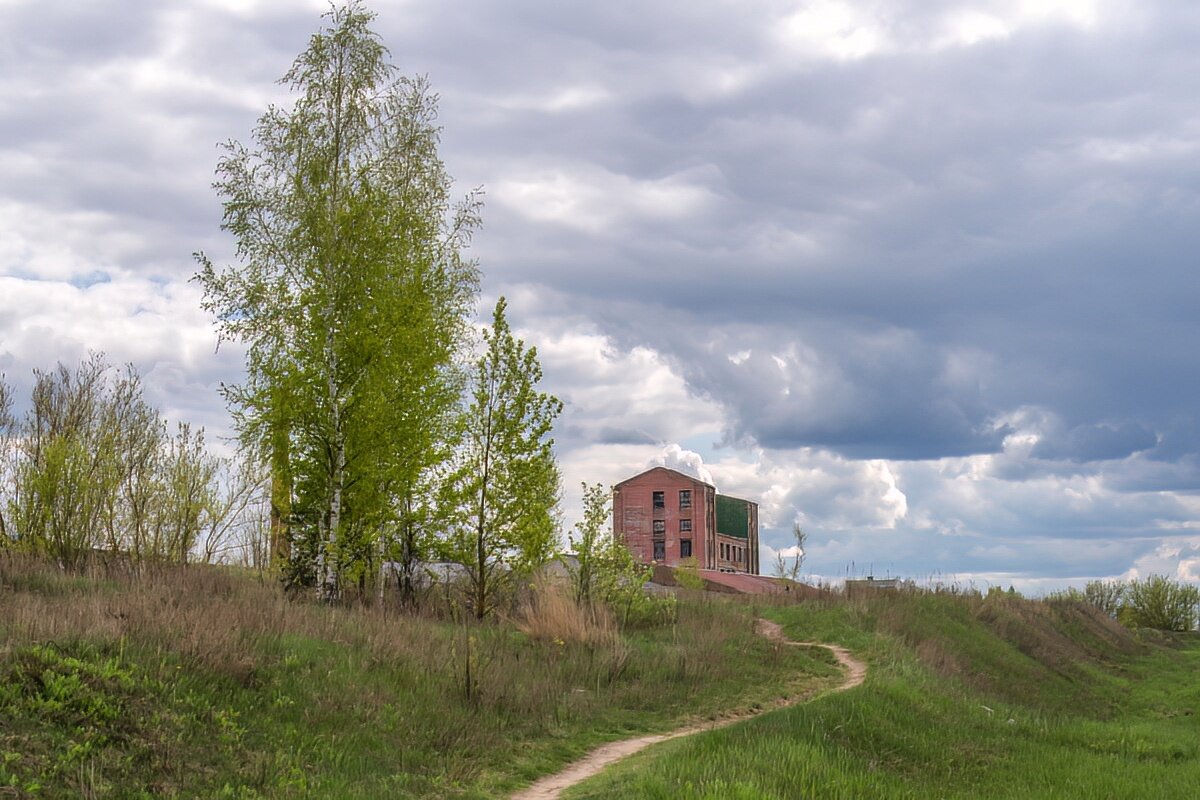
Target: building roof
{"x":735,"y":583}
{"x":744,"y":582}
{"x":668,"y":469}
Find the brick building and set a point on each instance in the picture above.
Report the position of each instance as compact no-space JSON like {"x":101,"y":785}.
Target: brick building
{"x":665,"y":516}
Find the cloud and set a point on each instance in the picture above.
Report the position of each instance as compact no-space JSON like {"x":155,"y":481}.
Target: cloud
{"x":1096,"y":442}
{"x":675,"y":457}
{"x":916,"y":275}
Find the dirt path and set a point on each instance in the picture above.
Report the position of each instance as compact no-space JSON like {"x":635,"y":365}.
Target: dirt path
{"x":552,"y":786}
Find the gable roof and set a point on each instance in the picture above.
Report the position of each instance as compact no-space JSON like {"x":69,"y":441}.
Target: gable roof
{"x":667,"y":469}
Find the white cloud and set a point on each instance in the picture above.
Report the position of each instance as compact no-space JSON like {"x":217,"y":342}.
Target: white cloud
{"x":686,"y":461}
{"x":826,"y":28}
{"x":599,"y":202}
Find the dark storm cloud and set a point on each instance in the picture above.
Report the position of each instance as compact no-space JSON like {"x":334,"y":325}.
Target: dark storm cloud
{"x":1096,"y":442}
{"x":1028,"y":202}
{"x":835,"y":232}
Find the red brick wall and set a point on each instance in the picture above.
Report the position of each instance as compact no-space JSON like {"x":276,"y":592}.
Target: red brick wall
{"x":634,"y":515}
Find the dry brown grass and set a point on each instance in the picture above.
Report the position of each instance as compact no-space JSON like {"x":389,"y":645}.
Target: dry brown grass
{"x":207,"y":616}
{"x":550,"y":614}
{"x":240,"y":626}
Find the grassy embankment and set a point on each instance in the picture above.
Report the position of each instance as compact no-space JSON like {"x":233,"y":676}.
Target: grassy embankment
{"x":967,"y":697}
{"x":203,"y":683}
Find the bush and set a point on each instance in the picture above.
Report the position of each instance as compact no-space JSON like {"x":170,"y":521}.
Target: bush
{"x":1156,"y":602}
{"x":1108,"y":596}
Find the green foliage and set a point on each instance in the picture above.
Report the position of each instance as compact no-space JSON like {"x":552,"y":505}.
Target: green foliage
{"x":352,"y":298}
{"x":92,"y":466}
{"x":67,"y":466}
{"x":81,"y":722}
{"x":589,"y":543}
{"x":687,"y":574}
{"x":626,"y":594}
{"x":7,"y":425}
{"x":606,"y":571}
{"x":507,"y":484}
{"x":1152,"y":602}
{"x":1108,"y":596}
{"x":1157,"y":602}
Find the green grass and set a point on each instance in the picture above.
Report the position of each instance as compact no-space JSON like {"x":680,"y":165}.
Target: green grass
{"x":199,"y":682}
{"x":204,"y":683}
{"x":966,"y":698}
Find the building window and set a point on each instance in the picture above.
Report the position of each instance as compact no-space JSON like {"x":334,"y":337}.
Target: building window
{"x":660,"y":551}
{"x":660,"y":526}
{"x":724,"y":551}
{"x":685,"y":525}
{"x":685,"y":498}
{"x":685,"y":548}
{"x":660,"y":499}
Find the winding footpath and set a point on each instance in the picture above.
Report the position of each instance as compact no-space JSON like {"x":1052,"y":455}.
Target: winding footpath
{"x":552,"y":786}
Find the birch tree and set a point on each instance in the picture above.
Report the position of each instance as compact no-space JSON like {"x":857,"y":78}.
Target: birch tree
{"x":509,"y":482}
{"x":68,"y":467}
{"x":589,"y":542}
{"x":7,"y":422}
{"x":351,"y":296}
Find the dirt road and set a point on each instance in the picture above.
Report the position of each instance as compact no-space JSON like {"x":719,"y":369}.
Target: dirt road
{"x":552,"y":786}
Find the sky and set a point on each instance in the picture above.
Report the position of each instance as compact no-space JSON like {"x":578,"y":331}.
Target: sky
{"x":918,"y":275}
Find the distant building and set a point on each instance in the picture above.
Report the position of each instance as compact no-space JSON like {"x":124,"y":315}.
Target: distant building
{"x":873,"y":584}
{"x":665,"y":516}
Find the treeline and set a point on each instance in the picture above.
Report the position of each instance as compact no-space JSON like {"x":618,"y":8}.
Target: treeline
{"x":1152,"y":602}
{"x":91,"y":468}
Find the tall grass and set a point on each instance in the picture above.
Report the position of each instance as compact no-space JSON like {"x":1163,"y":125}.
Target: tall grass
{"x":252,"y":694}
{"x":967,"y":697}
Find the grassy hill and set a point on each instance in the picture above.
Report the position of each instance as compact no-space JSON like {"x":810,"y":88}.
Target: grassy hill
{"x":974,"y":697}
{"x":204,"y":682}
{"x":201,"y":682}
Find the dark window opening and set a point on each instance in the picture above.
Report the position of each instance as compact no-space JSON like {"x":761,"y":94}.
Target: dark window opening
{"x":685,"y":524}
{"x":660,"y":499}
{"x":685,"y":498}
{"x":660,"y":526}
{"x":685,"y":548}
{"x":660,"y":551}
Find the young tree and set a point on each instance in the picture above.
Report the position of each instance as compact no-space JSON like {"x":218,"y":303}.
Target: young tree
{"x":7,"y":422}
{"x":589,"y":543}
{"x":68,"y":465}
{"x":508,"y":484}
{"x":1108,"y":596}
{"x":236,"y":520}
{"x":139,"y":440}
{"x":352,"y":296}
{"x":790,"y":567}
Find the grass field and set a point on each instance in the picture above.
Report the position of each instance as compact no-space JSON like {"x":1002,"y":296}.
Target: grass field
{"x":967,"y":697}
{"x":203,"y":683}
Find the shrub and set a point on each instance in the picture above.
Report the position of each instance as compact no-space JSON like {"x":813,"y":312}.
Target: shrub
{"x":1156,"y":602}
{"x":1108,"y":596}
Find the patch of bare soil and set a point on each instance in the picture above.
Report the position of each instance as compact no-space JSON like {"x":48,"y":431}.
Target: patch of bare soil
{"x":552,"y":786}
